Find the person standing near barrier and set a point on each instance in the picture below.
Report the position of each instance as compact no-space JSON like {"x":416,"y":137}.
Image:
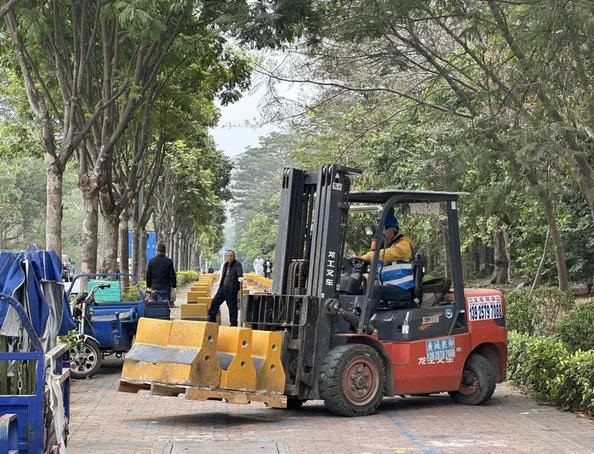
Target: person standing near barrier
{"x":231,"y":278}
{"x":161,"y":276}
{"x":268,"y":268}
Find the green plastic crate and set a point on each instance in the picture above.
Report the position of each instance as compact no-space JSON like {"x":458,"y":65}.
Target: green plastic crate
{"x":113,"y":294}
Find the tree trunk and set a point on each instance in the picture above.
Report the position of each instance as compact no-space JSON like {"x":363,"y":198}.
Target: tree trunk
{"x":123,"y":242}
{"x":53,"y":219}
{"x":89,"y":232}
{"x":482,"y":257}
{"x":559,"y":248}
{"x":112,"y":223}
{"x":135,"y":243}
{"x":136,"y":252}
{"x":500,"y":275}
{"x":541,"y":263}
{"x":447,"y":255}
{"x":177,"y":254}
{"x":508,"y":255}
{"x":142,"y":254}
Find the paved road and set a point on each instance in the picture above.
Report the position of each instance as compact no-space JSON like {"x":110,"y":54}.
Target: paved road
{"x":105,"y":421}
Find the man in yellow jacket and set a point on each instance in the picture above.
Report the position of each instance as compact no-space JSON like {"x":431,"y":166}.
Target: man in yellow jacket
{"x":395,"y":270}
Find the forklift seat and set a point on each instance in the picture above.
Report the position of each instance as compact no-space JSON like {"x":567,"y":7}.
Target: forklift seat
{"x":410,"y":299}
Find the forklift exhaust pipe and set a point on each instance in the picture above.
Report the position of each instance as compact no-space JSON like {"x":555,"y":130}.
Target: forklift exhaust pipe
{"x":333,"y":307}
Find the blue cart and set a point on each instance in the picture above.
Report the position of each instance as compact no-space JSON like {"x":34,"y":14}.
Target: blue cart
{"x":34,"y":419}
{"x":106,"y":326}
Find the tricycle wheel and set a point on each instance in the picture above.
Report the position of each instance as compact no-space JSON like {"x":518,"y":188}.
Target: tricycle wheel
{"x":352,"y":380}
{"x":478,"y":381}
{"x":85,"y":359}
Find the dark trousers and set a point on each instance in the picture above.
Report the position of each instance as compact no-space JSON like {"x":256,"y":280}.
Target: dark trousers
{"x":398,"y":298}
{"x":229,"y":296}
{"x":162,"y":295}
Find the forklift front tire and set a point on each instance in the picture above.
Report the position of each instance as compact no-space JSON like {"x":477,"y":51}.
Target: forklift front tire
{"x":352,"y":379}
{"x":478,"y":381}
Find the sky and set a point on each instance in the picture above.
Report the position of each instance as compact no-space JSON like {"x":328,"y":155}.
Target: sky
{"x":236,"y":131}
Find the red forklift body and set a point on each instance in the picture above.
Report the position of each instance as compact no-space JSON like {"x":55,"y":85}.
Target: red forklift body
{"x":435,"y":364}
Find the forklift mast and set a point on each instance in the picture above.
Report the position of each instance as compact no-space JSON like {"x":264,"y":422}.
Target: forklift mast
{"x":312,"y":222}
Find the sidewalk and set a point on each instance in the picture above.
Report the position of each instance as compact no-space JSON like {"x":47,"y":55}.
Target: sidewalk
{"x":104,"y":421}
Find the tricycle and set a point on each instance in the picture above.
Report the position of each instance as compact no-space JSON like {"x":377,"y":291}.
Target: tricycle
{"x":106,"y":325}
{"x":34,"y":366}
{"x":34,"y":416}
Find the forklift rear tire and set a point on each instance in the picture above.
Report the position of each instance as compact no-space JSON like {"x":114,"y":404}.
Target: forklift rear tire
{"x":478,"y":381}
{"x":85,"y":359}
{"x":352,"y":379}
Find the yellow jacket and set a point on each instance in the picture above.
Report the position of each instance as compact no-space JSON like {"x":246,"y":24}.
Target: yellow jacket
{"x":400,"y":251}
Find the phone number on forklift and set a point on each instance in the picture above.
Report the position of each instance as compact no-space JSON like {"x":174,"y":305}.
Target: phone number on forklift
{"x":485,"y":307}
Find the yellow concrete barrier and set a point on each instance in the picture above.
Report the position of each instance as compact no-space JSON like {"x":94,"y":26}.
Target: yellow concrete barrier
{"x":204,"y":300}
{"x":193,"y":296}
{"x":194,"y":310}
{"x":190,"y":357}
{"x":266,"y":355}
{"x":152,"y":337}
{"x":234,"y":348}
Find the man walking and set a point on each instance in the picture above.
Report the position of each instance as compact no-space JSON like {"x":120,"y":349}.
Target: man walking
{"x":231,"y":278}
{"x":161,"y":276}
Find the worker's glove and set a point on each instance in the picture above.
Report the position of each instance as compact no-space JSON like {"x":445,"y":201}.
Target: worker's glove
{"x":240,"y":279}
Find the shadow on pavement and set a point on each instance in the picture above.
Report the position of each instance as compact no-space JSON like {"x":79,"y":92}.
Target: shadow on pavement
{"x":208,"y":418}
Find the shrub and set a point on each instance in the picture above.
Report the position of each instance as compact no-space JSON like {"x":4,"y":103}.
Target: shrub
{"x":534,"y":363}
{"x":538,"y":313}
{"x":69,"y":338}
{"x":576,"y":384}
{"x":576,"y":328}
{"x":186,"y":276}
{"x":130,"y":294}
{"x":547,"y":370}
{"x":519,"y":311}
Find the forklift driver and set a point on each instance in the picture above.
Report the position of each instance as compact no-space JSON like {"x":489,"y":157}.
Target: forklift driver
{"x":395,"y":271}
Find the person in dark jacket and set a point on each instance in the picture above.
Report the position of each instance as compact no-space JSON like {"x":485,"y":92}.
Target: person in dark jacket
{"x":231,"y":278}
{"x":268,"y":268}
{"x":161,"y":276}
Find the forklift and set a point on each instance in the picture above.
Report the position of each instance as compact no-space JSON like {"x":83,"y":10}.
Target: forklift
{"x":343,"y":345}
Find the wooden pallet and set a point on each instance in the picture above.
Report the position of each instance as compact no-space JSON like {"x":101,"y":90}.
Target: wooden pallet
{"x":194,"y":393}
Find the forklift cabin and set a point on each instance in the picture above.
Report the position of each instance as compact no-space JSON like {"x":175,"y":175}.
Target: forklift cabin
{"x":342,"y":346}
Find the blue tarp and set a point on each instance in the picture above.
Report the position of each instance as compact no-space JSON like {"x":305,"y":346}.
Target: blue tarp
{"x":25,"y":272}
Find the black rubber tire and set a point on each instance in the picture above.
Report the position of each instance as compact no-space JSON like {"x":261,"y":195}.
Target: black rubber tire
{"x":87,"y":372}
{"x":336,"y":366}
{"x":485,"y":377}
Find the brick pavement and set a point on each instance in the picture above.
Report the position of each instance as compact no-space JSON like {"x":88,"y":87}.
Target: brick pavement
{"x":104,"y":421}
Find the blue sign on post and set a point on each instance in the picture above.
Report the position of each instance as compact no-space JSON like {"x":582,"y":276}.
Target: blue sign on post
{"x":151,"y":244}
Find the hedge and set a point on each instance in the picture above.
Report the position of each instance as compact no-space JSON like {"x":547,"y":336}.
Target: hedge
{"x":183,"y":277}
{"x":538,"y":313}
{"x":576,"y":328}
{"x":186,"y":276}
{"x":548,"y":370}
